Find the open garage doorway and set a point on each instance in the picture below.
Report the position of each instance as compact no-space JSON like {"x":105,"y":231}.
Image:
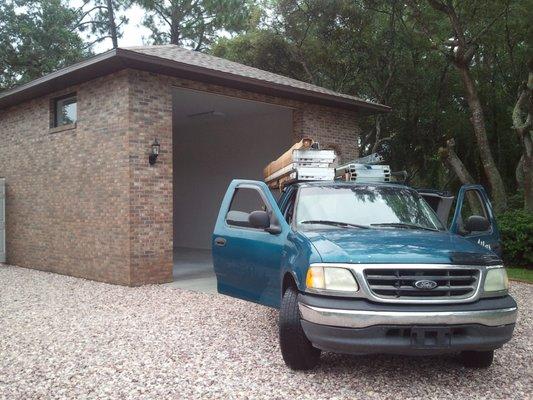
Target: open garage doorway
{"x":216,"y":138}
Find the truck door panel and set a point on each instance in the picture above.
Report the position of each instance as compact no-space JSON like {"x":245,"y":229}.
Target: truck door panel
{"x":248,"y":262}
{"x":473,"y":200}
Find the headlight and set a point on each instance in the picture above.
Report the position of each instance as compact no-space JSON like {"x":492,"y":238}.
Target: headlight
{"x":496,"y":280}
{"x":331,"y":279}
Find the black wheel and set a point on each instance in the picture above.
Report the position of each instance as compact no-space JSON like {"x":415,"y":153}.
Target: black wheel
{"x":477,"y":359}
{"x":297,"y":351}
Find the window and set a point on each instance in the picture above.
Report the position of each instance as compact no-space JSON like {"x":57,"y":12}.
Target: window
{"x":289,"y":211}
{"x":366,"y":206}
{"x":65,"y":110}
{"x":472,"y":205}
{"x":245,"y":200}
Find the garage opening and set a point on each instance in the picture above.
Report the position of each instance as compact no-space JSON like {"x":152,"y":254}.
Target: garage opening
{"x":216,"y":138}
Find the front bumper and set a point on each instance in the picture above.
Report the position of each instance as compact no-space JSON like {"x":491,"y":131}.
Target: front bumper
{"x":359,"y":326}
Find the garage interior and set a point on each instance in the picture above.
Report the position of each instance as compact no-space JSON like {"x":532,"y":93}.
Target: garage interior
{"x":216,"y":138}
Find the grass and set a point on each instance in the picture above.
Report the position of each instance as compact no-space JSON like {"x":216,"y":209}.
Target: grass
{"x":520,"y":274}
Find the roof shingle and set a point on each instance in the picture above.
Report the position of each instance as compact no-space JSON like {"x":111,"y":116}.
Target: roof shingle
{"x":177,"y":61}
{"x":179,"y":54}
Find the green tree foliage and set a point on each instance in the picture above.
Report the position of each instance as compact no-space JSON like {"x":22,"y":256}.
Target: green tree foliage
{"x":194,"y":23}
{"x":36,"y":37}
{"x":99,"y":18}
{"x":379,"y":50}
{"x":516,"y":228}
{"x":261,"y":48}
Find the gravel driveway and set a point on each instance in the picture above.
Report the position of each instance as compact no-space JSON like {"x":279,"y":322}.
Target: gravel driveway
{"x":62,"y":337}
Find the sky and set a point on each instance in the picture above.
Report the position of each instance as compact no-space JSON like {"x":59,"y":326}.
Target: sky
{"x":134,"y":31}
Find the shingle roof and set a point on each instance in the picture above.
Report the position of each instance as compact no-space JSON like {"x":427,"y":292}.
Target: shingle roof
{"x":176,"y":53}
{"x":176,"y":61}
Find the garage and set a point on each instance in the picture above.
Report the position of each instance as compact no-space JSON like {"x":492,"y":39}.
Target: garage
{"x":91,"y":201}
{"x":216,"y":138}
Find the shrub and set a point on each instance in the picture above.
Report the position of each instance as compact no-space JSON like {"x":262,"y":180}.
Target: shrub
{"x":516,"y":228}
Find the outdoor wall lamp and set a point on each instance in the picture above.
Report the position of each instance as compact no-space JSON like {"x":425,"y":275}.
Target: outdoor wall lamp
{"x":152,"y":158}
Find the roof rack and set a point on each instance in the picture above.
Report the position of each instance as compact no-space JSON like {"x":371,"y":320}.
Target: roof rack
{"x":305,"y":161}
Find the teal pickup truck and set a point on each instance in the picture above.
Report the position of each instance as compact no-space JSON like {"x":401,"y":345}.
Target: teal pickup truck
{"x":367,"y":268}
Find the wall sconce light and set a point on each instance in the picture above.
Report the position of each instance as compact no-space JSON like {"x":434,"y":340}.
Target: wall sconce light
{"x":152,"y":158}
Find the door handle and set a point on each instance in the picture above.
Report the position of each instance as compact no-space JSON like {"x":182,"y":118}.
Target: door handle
{"x":220,"y":241}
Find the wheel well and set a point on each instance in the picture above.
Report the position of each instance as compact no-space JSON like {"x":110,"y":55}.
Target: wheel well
{"x":288,"y":281}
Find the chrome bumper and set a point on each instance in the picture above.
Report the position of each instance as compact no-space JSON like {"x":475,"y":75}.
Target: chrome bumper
{"x":364,"y":319}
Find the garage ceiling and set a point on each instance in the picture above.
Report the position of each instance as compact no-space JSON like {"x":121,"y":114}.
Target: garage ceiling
{"x":193,"y":106}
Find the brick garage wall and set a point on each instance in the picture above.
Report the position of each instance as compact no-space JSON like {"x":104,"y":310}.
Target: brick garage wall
{"x":151,"y":196}
{"x":68,"y":191}
{"x":333,"y":127}
{"x":85,"y":202}
{"x":150,"y":109}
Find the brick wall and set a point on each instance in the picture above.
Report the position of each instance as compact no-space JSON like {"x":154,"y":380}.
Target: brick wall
{"x":85,"y":201}
{"x":67,"y":191}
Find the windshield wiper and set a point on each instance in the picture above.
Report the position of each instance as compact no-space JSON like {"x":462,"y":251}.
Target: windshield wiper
{"x":405,"y":225}
{"x":335,"y":223}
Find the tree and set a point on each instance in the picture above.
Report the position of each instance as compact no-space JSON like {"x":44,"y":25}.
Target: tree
{"x":459,"y":45}
{"x":99,"y":17}
{"x":359,"y":48}
{"x":377,"y":50}
{"x":523,"y":124}
{"x":36,"y":37}
{"x":194,"y":23}
{"x":263,"y":49}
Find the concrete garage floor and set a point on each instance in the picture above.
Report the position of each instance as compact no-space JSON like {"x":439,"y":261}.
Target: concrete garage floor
{"x":193,"y":270}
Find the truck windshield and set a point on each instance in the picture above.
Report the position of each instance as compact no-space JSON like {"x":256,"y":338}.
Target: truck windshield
{"x":364,"y":207}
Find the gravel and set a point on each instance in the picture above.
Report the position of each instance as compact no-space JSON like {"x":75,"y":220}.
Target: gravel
{"x":64,"y":338}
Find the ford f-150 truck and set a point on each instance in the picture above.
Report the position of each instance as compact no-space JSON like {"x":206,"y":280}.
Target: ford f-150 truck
{"x":367,"y":268}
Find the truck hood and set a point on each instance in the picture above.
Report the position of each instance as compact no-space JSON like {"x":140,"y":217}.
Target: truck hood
{"x":396,"y":246}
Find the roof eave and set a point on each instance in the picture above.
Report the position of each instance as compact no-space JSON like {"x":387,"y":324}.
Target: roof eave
{"x":183,"y":70}
{"x":117,"y":59}
{"x":93,"y":67}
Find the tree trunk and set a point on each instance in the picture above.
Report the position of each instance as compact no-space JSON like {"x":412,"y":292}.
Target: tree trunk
{"x":523,"y":124}
{"x":111,"y":23}
{"x":461,"y":52}
{"x":528,"y":175}
{"x":452,"y":160}
{"x":478,"y":123}
{"x":519,"y":173}
{"x":175,"y":33}
{"x":377,"y":142}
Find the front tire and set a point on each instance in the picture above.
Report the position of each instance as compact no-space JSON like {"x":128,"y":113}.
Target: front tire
{"x":477,"y":359}
{"x":297,"y":351}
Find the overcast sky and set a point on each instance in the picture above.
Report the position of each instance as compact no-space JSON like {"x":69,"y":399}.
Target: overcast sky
{"x":134,"y":31}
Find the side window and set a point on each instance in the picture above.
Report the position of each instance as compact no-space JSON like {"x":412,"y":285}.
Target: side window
{"x":472,"y":205}
{"x":289,"y":211}
{"x":245,"y":200}
{"x":64,"y":110}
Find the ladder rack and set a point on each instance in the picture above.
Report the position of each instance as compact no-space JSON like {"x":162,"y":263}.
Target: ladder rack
{"x":304,"y":161}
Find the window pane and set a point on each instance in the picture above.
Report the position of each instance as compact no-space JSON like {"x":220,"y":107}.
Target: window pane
{"x":472,"y":205}
{"x":66,"y":111}
{"x":243,"y":203}
{"x":361,"y":205}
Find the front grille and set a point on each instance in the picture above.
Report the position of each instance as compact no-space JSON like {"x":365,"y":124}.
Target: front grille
{"x":398,"y":283}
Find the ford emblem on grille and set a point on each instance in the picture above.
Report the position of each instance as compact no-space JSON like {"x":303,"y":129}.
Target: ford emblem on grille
{"x":425,"y":285}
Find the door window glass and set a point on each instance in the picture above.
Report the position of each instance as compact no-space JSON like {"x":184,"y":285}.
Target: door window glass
{"x":472,"y":205}
{"x":245,"y":201}
{"x":289,"y":212}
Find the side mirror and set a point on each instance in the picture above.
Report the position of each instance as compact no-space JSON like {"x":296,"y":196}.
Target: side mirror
{"x":477,"y":223}
{"x":259,"y":219}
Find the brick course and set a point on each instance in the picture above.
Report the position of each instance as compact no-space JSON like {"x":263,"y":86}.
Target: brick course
{"x":85,"y":202}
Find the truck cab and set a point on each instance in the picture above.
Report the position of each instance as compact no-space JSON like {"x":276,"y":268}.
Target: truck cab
{"x":367,"y":268}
